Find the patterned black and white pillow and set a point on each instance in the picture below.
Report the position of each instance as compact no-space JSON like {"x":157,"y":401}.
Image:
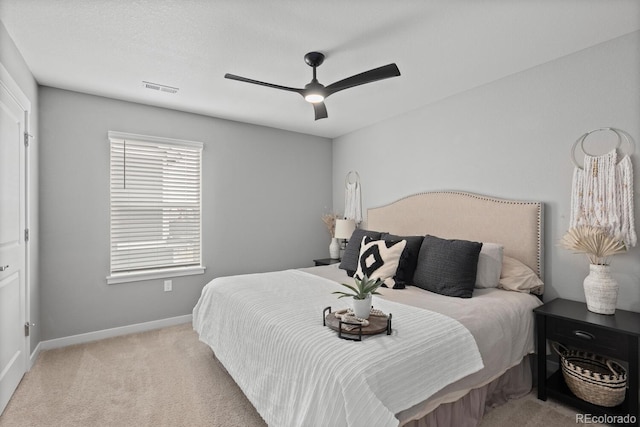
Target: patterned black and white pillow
{"x":352,"y":253}
{"x":379,"y":259}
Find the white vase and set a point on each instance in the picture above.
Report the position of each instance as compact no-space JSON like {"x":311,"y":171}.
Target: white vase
{"x":601,"y":290}
{"x":334,"y":249}
{"x":362,"y":307}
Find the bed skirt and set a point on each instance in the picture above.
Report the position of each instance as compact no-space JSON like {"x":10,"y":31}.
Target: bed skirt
{"x":470,"y":408}
{"x":468,"y":411}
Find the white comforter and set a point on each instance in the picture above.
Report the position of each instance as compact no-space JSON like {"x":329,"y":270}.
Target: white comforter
{"x":267,"y":331}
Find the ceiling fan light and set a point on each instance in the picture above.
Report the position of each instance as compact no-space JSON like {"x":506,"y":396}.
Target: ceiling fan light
{"x":314,"y":98}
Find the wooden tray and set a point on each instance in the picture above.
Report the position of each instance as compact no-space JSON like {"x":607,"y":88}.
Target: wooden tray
{"x":377,"y":325}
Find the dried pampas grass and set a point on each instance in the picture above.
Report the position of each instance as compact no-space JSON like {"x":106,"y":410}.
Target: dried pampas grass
{"x":594,"y":242}
{"x":330,"y":221}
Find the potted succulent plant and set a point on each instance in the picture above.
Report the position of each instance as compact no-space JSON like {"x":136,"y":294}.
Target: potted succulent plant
{"x":361,"y":293}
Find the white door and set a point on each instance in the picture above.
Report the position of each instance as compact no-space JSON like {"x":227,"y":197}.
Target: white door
{"x":13,"y":344}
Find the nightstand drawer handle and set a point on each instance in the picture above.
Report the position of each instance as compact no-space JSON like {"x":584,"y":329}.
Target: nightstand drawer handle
{"x":584,"y":335}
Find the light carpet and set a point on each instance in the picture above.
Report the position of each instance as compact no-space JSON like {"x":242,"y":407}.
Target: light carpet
{"x":531,"y":412}
{"x":167,"y":377}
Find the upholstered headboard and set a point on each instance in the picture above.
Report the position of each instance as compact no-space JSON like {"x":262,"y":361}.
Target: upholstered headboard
{"x":517,"y":225}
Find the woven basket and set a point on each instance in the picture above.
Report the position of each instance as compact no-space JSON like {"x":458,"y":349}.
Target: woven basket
{"x":592,"y":377}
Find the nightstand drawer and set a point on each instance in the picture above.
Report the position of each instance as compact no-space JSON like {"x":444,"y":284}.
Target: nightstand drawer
{"x":609,"y":343}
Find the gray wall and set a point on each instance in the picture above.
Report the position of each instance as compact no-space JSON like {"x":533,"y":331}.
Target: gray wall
{"x":12,"y":60}
{"x":512,"y":139}
{"x":264,"y":191}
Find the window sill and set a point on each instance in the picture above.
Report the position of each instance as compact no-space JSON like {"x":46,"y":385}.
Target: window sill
{"x":154,"y":274}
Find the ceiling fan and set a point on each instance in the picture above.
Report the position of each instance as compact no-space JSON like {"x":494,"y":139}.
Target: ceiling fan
{"x":315,"y":92}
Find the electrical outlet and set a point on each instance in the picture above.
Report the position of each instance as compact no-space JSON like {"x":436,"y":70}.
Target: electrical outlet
{"x":167,"y":286}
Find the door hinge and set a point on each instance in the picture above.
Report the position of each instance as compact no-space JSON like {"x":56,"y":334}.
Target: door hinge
{"x":26,"y":234}
{"x":26,"y":139}
{"x":27,"y":326}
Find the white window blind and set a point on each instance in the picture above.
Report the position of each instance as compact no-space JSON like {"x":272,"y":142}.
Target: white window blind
{"x":155,"y":203}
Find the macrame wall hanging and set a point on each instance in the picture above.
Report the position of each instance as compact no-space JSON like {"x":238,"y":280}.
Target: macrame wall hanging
{"x":352,"y":197}
{"x":602,"y":193}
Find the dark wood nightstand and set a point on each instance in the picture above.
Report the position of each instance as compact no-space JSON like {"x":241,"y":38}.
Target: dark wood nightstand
{"x":615,"y":336}
{"x":326,"y":261}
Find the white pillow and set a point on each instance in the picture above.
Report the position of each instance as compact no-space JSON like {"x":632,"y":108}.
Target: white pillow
{"x":379,"y":259}
{"x":518,"y":277}
{"x":489,"y":265}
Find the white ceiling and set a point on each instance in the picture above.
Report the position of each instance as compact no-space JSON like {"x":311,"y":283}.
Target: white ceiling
{"x":442,"y":47}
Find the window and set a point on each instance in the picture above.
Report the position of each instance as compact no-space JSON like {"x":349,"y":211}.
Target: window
{"x":155,"y":207}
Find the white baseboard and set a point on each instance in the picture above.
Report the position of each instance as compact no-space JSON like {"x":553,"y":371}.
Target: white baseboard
{"x":34,"y":356}
{"x":110,"y":333}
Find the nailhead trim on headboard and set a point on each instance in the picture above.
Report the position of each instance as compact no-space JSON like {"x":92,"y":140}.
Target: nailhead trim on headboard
{"x":538,"y":205}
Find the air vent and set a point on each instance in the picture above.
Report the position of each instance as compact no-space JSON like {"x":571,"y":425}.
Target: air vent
{"x":159,"y":87}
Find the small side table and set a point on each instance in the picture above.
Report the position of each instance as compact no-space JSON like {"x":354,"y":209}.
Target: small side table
{"x":326,"y":261}
{"x":615,"y":336}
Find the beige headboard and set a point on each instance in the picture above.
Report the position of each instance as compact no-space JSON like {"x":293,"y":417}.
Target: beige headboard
{"x":517,"y":225}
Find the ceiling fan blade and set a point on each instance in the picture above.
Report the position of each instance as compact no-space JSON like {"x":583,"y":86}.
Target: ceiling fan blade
{"x":257,"y":82}
{"x":320,"y":110}
{"x":380,"y":73}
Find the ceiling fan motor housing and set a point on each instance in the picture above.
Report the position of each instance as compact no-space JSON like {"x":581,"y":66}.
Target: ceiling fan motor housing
{"x":314,"y":92}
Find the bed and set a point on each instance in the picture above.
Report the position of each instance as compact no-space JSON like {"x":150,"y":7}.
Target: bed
{"x":446,"y":359}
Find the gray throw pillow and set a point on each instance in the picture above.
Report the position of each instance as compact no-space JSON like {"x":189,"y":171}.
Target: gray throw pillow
{"x":447,"y":267}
